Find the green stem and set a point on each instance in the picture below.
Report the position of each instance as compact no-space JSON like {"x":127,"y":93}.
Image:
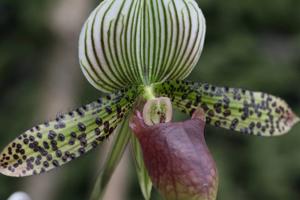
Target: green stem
{"x":113,"y":158}
{"x":148,"y":93}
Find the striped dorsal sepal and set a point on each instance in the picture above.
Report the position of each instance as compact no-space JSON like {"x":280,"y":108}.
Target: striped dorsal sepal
{"x":57,"y":142}
{"x":253,"y":113}
{"x":127,"y":42}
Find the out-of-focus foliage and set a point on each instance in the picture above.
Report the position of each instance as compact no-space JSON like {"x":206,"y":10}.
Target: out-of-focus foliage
{"x":24,"y":42}
{"x":251,"y":44}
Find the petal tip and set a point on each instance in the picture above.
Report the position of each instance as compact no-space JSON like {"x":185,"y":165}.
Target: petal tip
{"x":6,"y":172}
{"x":293,"y":118}
{"x":297,"y":120}
{"x":11,"y":171}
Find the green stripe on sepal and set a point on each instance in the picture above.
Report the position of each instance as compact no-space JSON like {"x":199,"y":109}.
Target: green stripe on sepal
{"x":113,"y":158}
{"x":57,"y":142}
{"x":126,"y":42}
{"x":253,"y":113}
{"x":142,"y":173}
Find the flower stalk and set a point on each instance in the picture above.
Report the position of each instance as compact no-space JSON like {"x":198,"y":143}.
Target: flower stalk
{"x":142,"y":172}
{"x":112,"y":160}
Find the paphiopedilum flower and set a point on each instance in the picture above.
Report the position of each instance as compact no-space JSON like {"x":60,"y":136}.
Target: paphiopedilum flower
{"x":137,"y":50}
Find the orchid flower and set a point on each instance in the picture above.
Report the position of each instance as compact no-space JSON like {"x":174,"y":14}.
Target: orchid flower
{"x":139,"y":52}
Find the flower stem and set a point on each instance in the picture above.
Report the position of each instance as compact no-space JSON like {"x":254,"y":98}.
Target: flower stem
{"x":148,"y":93}
{"x":113,"y":158}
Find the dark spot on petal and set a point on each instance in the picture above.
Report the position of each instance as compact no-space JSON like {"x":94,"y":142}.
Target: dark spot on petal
{"x":61,"y":137}
{"x":99,"y":121}
{"x":81,"y":127}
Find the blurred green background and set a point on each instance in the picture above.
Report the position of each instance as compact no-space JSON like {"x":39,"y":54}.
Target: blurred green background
{"x":253,"y":44}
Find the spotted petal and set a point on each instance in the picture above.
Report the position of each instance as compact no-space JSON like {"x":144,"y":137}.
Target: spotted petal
{"x":126,"y":42}
{"x":254,"y":113}
{"x":55,"y":143}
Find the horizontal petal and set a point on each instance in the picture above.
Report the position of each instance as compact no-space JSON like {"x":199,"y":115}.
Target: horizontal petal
{"x":254,"y":113}
{"x":57,"y":142}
